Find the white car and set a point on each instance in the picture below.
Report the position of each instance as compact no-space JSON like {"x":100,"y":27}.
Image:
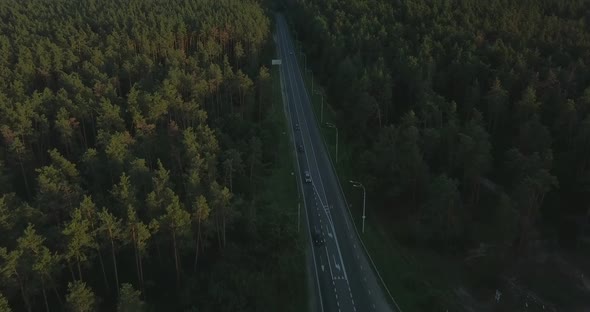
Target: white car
{"x":291,"y":52}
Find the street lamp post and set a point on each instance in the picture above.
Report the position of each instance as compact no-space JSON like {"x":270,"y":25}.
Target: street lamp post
{"x":298,"y":215}
{"x":331,"y":125}
{"x":304,"y":61}
{"x":322,"y":110}
{"x":360,"y":185}
{"x":298,"y":202}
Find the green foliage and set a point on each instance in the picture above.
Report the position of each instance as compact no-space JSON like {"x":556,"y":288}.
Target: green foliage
{"x":202,"y":211}
{"x":59,"y":187}
{"x":138,"y":232}
{"x":80,"y":298}
{"x":109,"y":117}
{"x":176,"y":219}
{"x":80,"y":241}
{"x":4,"y":307}
{"x":468,"y":119}
{"x":5,"y":217}
{"x":130,"y":301}
{"x":475,"y":149}
{"x":124,"y":193}
{"x":9,"y":270}
{"x":444,"y":64}
{"x":133,"y":107}
{"x":443,"y":219}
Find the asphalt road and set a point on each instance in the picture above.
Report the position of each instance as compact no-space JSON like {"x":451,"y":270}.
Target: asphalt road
{"x":344,"y":277}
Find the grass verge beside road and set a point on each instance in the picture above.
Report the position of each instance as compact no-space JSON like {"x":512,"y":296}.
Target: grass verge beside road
{"x":407,"y":278}
{"x":280,"y":190}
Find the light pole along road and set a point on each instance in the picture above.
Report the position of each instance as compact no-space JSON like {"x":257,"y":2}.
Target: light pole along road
{"x":322,"y":105}
{"x":345,"y":279}
{"x":331,"y":125}
{"x":360,"y":185}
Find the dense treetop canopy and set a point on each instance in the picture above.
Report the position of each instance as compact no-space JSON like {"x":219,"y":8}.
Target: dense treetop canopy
{"x":477,"y":83}
{"x":470,"y":118}
{"x":125,"y":181}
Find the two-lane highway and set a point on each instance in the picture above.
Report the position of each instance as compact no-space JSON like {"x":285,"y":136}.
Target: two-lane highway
{"x":344,"y":279}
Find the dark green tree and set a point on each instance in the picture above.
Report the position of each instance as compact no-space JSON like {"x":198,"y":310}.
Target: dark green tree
{"x":80,"y":297}
{"x":474,"y":153}
{"x":200,"y":215}
{"x":36,"y":257}
{"x":129,"y":300}
{"x":79,"y":241}
{"x":496,"y":102}
{"x":4,"y":307}
{"x":177,"y":221}
{"x":111,"y":227}
{"x":221,"y":208}
{"x":443,"y":209}
{"x":11,"y":273}
{"x":139,"y":235}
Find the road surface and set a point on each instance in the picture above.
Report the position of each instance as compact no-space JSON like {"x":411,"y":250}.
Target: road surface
{"x":344,"y":280}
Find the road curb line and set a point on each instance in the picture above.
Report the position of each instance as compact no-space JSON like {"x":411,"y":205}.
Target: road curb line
{"x":346,"y":202}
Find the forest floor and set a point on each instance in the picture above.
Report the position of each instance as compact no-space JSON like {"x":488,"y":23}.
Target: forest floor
{"x":421,"y":279}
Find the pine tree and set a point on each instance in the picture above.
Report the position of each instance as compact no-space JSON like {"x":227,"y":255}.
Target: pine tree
{"x":130,"y":301}
{"x":201,"y":213}
{"x":80,"y":241}
{"x":4,"y":307}
{"x":177,"y":222}
{"x":111,"y":227}
{"x":80,"y":297}
{"x":90,"y":213}
{"x":43,"y":263}
{"x":139,"y":235}
{"x":10,"y":272}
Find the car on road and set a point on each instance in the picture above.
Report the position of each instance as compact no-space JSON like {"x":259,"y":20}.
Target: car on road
{"x":291,"y":52}
{"x":307,"y":177}
{"x":300,"y":148}
{"x":296,"y":127}
{"x":318,"y":238}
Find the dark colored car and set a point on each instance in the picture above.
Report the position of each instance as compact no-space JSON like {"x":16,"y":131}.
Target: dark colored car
{"x":318,"y":238}
{"x":300,"y":148}
{"x":297,"y":127}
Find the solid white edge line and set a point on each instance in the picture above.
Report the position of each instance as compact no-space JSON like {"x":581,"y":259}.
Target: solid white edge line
{"x":354,"y":225}
{"x":281,"y":74}
{"x":313,"y":152}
